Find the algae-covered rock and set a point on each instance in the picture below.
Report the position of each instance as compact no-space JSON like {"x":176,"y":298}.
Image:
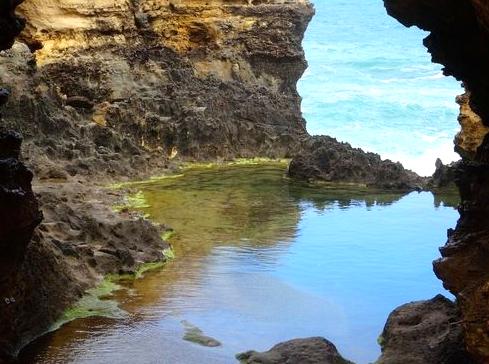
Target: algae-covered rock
{"x":197,"y":336}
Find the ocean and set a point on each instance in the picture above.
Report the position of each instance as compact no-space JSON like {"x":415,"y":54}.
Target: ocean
{"x":370,"y":82}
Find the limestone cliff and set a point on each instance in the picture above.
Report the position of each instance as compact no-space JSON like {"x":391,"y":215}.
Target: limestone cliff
{"x":145,"y":80}
{"x":459,"y":39}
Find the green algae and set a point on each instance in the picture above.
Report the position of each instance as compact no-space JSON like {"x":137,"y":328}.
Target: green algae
{"x":98,"y":301}
{"x":148,"y":267}
{"x":135,"y":201}
{"x":95,"y":302}
{"x":169,"y":253}
{"x":168,"y":234}
{"x":121,"y":185}
{"x":235,"y":162}
{"x":381,"y":340}
{"x":185,"y":166}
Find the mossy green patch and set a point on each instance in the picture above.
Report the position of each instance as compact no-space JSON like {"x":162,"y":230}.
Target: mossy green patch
{"x":381,"y":340}
{"x":136,"y":201}
{"x":169,"y":253}
{"x":236,"y":162}
{"x":148,"y":267}
{"x":118,"y":186}
{"x":143,"y":268}
{"x":95,"y":302}
{"x":167,"y":235}
{"x":204,"y":165}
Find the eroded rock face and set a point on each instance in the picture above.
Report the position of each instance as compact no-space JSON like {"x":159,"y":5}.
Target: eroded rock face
{"x":325,"y":159}
{"x":118,"y":85}
{"x":314,"y":350}
{"x":444,"y":176}
{"x":459,"y":40}
{"x":79,"y":242}
{"x":424,"y":332}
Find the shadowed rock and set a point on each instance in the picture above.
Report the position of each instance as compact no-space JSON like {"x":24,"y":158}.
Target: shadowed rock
{"x":325,"y":159}
{"x":314,"y":350}
{"x":19,"y":216}
{"x":19,"y":211}
{"x":424,"y":332}
{"x":444,"y":175}
{"x":10,"y":24}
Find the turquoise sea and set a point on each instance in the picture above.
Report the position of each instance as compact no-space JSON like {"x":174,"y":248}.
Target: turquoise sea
{"x":371,"y":83}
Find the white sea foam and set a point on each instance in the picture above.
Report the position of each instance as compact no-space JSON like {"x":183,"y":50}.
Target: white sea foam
{"x":424,"y":164}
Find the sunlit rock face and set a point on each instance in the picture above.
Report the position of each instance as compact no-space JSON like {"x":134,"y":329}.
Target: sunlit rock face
{"x":459,"y":40}
{"x":115,"y":80}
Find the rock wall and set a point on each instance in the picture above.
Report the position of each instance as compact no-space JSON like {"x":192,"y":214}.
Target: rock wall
{"x":424,"y":332}
{"x":143,"y":81}
{"x":19,"y":216}
{"x":459,"y":39}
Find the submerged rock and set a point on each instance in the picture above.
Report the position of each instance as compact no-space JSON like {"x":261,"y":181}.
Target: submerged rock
{"x":424,"y":332}
{"x":314,"y":350}
{"x":325,"y":159}
{"x":197,"y":336}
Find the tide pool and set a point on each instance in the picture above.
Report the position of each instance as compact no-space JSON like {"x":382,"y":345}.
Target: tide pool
{"x":261,"y":259}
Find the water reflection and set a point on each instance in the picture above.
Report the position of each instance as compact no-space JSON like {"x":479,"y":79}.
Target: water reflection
{"x":262,"y":259}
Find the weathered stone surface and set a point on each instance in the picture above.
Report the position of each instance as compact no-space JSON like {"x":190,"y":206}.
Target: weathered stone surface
{"x":122,"y":85}
{"x":314,"y":350}
{"x":325,"y":159}
{"x":424,"y":332}
{"x":444,"y":176}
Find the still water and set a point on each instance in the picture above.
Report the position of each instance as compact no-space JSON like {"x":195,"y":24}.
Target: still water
{"x":261,"y":259}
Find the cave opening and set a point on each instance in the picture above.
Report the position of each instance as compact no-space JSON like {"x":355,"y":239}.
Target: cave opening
{"x":376,"y":108}
{"x":370,"y":82}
